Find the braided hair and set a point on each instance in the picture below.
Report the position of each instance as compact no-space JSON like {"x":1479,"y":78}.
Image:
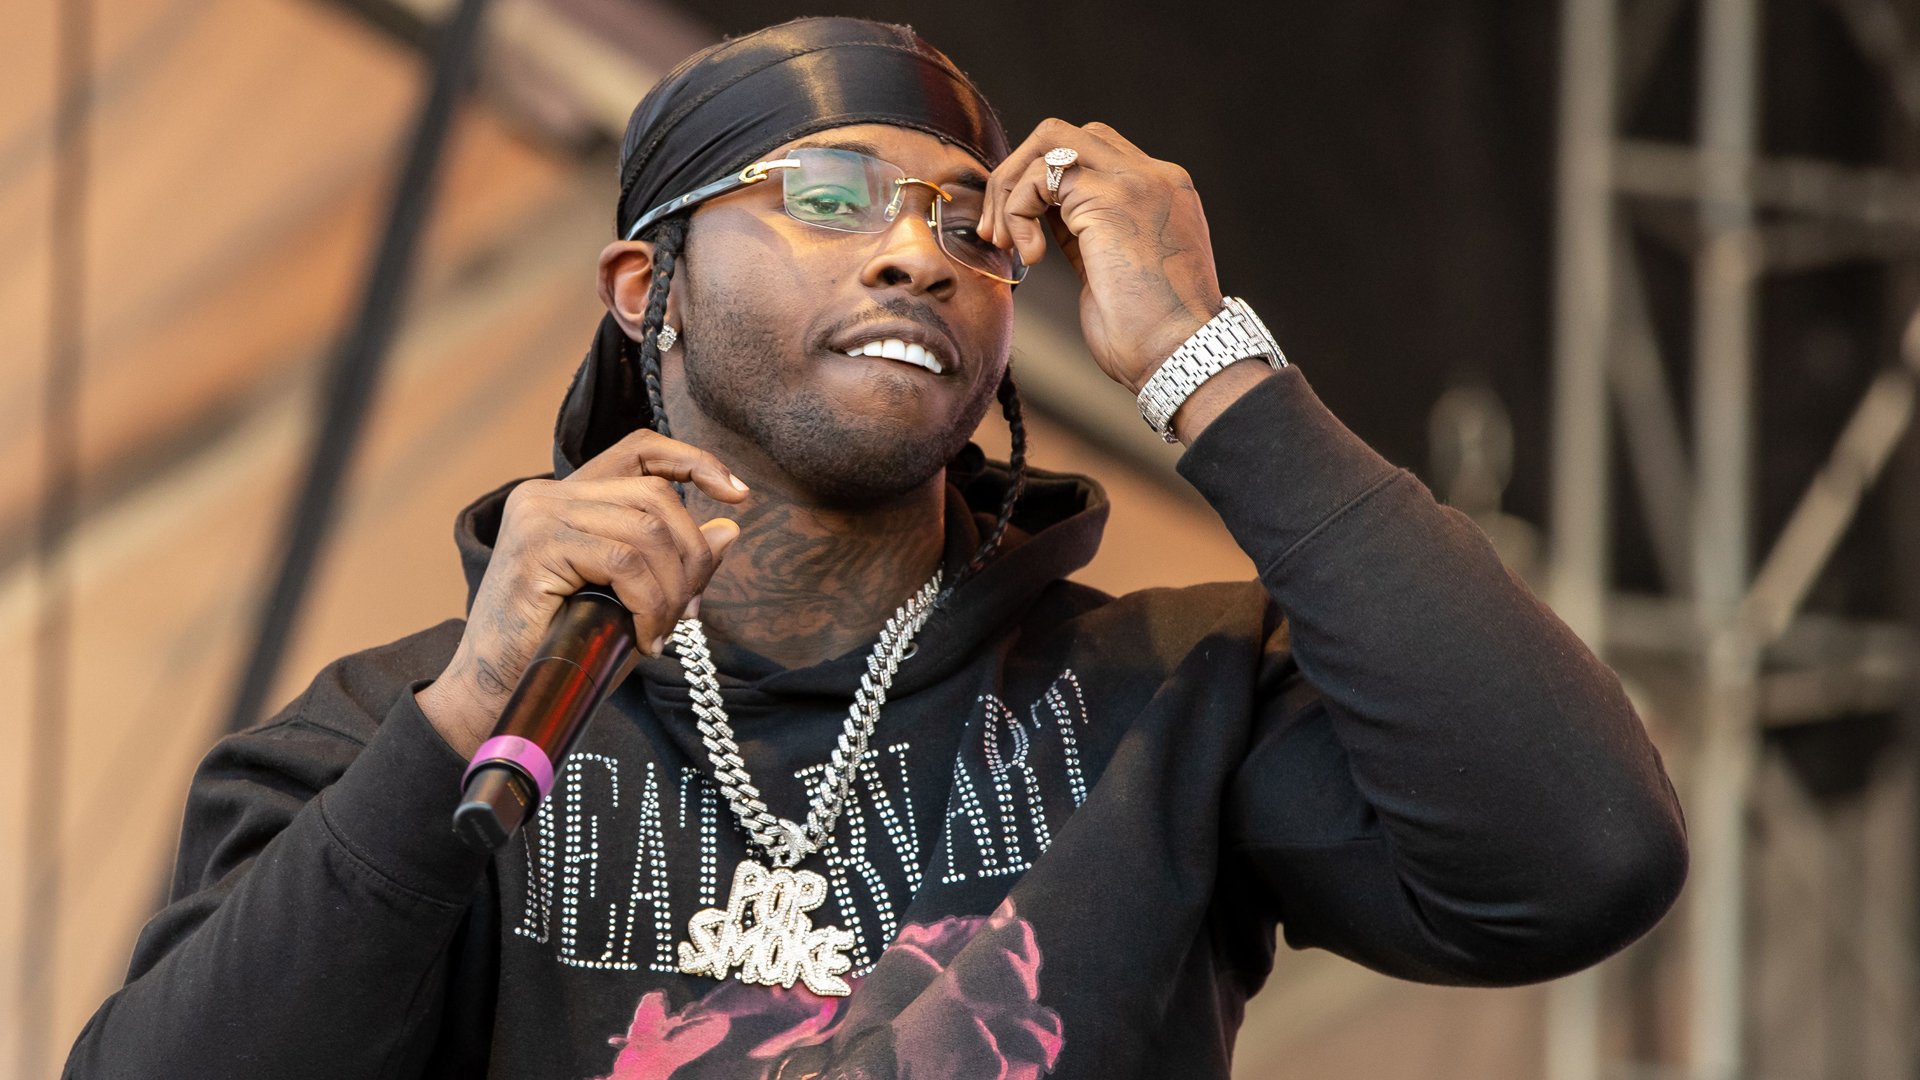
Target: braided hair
{"x":669,"y":240}
{"x":1009,"y":396}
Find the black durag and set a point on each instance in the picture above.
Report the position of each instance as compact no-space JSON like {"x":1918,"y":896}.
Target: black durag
{"x":726,"y":107}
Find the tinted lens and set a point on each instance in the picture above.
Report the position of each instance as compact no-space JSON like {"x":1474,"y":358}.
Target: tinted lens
{"x":960,"y":238}
{"x":839,"y":189}
{"x":852,"y":192}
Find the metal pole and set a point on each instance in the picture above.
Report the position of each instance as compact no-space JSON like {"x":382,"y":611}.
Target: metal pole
{"x":354,"y":373}
{"x":1828,"y":507}
{"x":37,"y":967}
{"x":1650,"y":426}
{"x":1723,"y":358}
{"x":1581,"y":506}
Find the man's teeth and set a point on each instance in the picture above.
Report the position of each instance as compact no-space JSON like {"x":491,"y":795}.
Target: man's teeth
{"x":895,"y":349}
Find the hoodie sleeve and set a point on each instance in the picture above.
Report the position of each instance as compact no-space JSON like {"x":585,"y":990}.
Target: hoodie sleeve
{"x":317,"y":890}
{"x":1443,"y":782}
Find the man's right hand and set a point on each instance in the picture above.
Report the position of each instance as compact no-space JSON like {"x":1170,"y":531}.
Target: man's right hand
{"x":616,"y":522}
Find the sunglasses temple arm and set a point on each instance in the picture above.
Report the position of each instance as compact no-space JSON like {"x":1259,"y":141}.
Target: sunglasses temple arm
{"x":692,"y":198}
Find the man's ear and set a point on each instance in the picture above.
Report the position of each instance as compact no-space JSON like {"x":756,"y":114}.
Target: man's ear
{"x":626,"y":279}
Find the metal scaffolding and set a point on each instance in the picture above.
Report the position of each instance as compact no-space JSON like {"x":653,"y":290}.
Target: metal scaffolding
{"x":1753,"y":659}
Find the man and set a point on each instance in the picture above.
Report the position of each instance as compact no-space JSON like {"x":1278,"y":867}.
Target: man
{"x":1055,"y":830}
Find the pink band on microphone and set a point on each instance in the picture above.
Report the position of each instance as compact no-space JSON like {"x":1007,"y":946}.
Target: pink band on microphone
{"x":519,"y":753}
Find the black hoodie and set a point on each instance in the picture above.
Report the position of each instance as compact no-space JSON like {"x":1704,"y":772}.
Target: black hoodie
{"x":1067,"y":850}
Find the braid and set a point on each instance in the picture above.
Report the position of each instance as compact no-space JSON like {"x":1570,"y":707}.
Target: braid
{"x":1009,"y":396}
{"x":669,"y":239}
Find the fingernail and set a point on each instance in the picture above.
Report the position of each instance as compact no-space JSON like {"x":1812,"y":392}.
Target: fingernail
{"x":658,"y":647}
{"x":737,"y":485}
{"x":693,"y":608}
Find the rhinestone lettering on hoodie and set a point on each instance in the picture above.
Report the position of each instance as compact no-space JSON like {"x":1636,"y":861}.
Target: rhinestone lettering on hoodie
{"x":617,"y":858}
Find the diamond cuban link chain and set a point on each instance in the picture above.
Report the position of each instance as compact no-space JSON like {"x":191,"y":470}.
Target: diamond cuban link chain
{"x":787,"y":842}
{"x":765,"y":935}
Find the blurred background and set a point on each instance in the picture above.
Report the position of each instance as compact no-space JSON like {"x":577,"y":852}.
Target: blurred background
{"x":1631,"y":281}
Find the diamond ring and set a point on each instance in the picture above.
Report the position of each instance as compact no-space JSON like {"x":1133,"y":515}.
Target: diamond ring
{"x":1059,"y":160}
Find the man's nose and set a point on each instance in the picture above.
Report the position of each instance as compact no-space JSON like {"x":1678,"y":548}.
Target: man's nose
{"x":910,"y":252}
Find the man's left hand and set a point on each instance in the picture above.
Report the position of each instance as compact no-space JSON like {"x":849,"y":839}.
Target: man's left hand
{"x":1132,"y":228}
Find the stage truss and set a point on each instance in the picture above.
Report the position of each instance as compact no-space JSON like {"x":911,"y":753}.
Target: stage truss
{"x":1794,"y":950}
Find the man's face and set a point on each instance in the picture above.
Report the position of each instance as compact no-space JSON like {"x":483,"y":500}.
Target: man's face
{"x":771,"y":307}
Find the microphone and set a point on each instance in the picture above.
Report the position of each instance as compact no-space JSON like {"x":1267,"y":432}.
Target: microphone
{"x":586,"y":652}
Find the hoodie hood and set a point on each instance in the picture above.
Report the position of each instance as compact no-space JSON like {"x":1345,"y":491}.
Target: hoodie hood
{"x":1055,"y":531}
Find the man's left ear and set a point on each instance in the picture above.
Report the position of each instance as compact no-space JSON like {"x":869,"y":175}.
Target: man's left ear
{"x":626,"y":280}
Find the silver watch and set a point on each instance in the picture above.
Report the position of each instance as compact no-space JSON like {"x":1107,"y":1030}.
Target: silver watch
{"x":1234,"y":334}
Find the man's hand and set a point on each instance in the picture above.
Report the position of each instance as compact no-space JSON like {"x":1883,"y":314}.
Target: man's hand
{"x":1134,"y":231}
{"x":616,"y":522}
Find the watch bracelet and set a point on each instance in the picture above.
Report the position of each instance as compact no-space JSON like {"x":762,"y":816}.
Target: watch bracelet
{"x":1235,"y":334}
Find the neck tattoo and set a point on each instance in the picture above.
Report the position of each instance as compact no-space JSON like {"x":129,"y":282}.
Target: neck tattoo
{"x":780,"y":945}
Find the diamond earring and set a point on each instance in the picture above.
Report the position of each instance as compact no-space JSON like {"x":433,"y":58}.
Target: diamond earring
{"x":667,"y":336}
